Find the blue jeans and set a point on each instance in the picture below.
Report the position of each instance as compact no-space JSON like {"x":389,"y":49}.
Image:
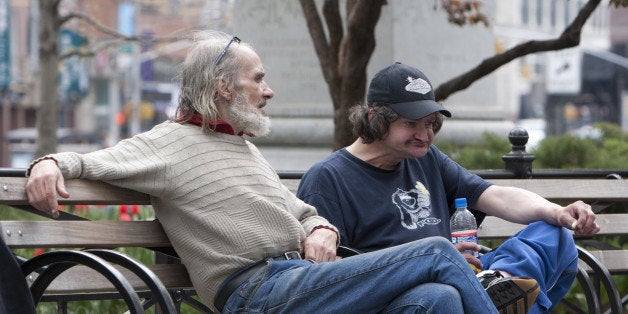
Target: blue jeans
{"x":544,"y":252}
{"x":424,"y":276}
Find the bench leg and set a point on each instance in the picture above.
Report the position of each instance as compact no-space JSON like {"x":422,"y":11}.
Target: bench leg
{"x":159,"y":291}
{"x":590,"y":293}
{"x":602,"y":273}
{"x":59,"y":261}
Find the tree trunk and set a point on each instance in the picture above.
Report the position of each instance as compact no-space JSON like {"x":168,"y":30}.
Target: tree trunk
{"x":356,"y":50}
{"x":48,"y":111}
{"x":344,"y":58}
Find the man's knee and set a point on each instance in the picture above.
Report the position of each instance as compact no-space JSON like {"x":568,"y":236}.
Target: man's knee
{"x":563,"y":237}
{"x":442,"y":293}
{"x":549,"y":231}
{"x":556,"y":239}
{"x":428,"y":298}
{"x":432,"y":243}
{"x":440,"y":242}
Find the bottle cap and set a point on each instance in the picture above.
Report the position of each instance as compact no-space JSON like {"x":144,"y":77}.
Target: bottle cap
{"x":461,"y":202}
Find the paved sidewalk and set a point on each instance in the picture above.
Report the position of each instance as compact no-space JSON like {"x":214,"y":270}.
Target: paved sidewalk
{"x":293,"y":158}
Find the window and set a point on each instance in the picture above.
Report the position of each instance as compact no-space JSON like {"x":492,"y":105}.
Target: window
{"x":566,"y":13}
{"x":101,"y":91}
{"x":539,"y":12}
{"x":553,"y":13}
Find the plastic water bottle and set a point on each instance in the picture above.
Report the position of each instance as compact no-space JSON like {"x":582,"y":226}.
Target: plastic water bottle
{"x":463,"y":226}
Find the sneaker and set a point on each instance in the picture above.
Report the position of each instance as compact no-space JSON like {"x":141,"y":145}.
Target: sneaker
{"x":512,"y":295}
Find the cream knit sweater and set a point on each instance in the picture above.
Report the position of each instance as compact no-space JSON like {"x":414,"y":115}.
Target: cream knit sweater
{"x":220,"y":202}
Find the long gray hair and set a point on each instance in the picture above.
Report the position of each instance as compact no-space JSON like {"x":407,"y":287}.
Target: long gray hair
{"x":200,"y":75}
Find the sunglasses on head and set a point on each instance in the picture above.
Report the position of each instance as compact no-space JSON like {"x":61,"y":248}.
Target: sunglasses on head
{"x":222,"y":54}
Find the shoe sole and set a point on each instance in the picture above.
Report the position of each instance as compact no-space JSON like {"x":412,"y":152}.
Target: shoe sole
{"x":514,"y":296}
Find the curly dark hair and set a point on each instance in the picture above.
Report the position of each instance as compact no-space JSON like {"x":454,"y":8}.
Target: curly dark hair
{"x":376,"y":127}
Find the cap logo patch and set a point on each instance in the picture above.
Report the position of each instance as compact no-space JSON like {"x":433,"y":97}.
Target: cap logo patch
{"x":418,"y":85}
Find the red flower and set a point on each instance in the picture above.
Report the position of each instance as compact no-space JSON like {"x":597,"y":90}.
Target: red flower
{"x":135,"y":210}
{"x":124,"y":215}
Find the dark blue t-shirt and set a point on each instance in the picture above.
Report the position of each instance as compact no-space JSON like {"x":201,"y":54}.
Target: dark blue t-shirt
{"x":375,"y":208}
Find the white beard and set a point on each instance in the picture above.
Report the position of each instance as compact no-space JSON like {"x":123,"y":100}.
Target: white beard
{"x":247,"y":118}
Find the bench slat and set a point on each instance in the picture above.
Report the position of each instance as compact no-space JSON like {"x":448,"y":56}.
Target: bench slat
{"x":570,"y":190}
{"x":79,"y":234}
{"x":613,"y":260}
{"x":13,"y":192}
{"x":73,"y":280}
{"x":497,"y":228}
{"x":591,"y":190}
{"x":91,"y":192}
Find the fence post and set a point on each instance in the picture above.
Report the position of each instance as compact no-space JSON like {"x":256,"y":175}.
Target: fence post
{"x":518,"y":161}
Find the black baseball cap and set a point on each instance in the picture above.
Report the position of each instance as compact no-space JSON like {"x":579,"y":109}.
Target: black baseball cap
{"x":405,"y":90}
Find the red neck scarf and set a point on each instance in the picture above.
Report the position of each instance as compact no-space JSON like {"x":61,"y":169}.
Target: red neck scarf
{"x":219,"y":126}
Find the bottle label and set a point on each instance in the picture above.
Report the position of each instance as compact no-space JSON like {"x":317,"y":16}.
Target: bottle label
{"x":465,"y":236}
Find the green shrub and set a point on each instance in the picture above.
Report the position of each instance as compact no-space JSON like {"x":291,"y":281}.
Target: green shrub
{"x":569,"y":152}
{"x":564,"y":152}
{"x":553,"y":152}
{"x":611,"y":131}
{"x":612,"y":154}
{"x":482,"y":154}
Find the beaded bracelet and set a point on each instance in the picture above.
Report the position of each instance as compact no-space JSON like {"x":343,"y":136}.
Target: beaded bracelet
{"x":328,"y":228}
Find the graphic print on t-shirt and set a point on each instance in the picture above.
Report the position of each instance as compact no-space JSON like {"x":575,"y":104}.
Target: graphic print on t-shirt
{"x":415,"y":207}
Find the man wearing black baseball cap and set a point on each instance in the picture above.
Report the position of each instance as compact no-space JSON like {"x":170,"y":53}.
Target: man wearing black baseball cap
{"x":392,"y":186}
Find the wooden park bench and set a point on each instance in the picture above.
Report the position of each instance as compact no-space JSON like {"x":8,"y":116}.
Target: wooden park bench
{"x":168,"y":285}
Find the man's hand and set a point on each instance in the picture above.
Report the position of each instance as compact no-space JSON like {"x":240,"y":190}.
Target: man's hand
{"x":320,"y":245}
{"x":578,"y":217}
{"x":43,"y":184}
{"x":472,"y":260}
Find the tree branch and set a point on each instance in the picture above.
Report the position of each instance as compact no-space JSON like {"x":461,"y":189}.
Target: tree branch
{"x":117,"y":37}
{"x":570,"y":37}
{"x":101,"y":28}
{"x":176,"y":35}
{"x":315,"y":26}
{"x":331,"y":13}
